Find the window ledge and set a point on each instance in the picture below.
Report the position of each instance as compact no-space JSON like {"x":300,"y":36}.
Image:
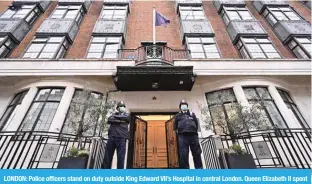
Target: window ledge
{"x":83,"y":67}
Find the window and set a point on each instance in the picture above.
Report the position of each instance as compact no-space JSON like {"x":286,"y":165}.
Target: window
{"x":301,"y":47}
{"x":104,"y":47}
{"x":203,"y":47}
{"x":68,"y":12}
{"x":257,"y":48}
{"x":235,"y":13}
{"x":49,"y":48}
{"x":41,"y":113}
{"x":78,"y":110}
{"x":6,"y":45}
{"x":220,"y":104}
{"x":293,"y":109}
{"x":191,"y":13}
{"x":11,"y":110}
{"x":275,"y":14}
{"x":28,"y":12}
{"x":270,"y":112}
{"x":114,"y":12}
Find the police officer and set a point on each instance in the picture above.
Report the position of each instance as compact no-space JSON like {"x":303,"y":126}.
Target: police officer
{"x":117,"y":135}
{"x":186,"y":125}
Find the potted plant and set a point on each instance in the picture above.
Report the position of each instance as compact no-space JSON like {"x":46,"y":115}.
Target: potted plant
{"x":87,"y":118}
{"x":237,"y":158}
{"x":74,"y":159}
{"x":235,"y":121}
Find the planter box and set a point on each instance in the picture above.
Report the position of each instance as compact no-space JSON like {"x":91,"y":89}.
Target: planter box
{"x":244,"y":161}
{"x":73,"y":163}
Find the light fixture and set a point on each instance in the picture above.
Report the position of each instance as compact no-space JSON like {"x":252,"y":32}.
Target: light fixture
{"x":115,"y":78}
{"x":155,"y":85}
{"x":193,"y":78}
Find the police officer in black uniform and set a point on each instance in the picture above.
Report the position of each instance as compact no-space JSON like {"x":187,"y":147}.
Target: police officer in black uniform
{"x":118,"y":133}
{"x":186,"y":125}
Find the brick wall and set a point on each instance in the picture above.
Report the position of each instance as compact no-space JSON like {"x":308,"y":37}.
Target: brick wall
{"x":4,"y":5}
{"x":140,"y":24}
{"x":82,"y":40}
{"x":18,"y":51}
{"x":139,"y":27}
{"x":304,"y":11}
{"x":223,"y":40}
{"x":285,"y":52}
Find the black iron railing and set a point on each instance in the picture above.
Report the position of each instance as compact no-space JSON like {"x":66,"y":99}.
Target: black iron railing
{"x":276,"y":148}
{"x":153,"y":53}
{"x":210,"y":153}
{"x":26,"y":150}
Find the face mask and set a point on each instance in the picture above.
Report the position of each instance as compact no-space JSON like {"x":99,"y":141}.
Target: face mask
{"x":122,"y":109}
{"x":184,"y":107}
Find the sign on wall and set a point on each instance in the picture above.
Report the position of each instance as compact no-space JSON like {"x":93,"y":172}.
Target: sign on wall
{"x":262,"y":150}
{"x":49,"y":153}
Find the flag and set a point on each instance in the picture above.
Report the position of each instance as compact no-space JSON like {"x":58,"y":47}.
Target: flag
{"x":161,"y":20}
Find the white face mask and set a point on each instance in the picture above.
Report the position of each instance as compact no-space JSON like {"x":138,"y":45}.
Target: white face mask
{"x":122,"y":109}
{"x":184,"y":107}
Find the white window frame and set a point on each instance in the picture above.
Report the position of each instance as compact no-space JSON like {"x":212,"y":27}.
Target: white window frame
{"x":112,"y":9}
{"x":202,"y":41}
{"x":191,"y":15}
{"x":67,"y":8}
{"x":270,"y":14}
{"x":94,"y":131}
{"x":265,"y":99}
{"x":244,"y":47}
{"x":103,"y":41}
{"x":61,"y":44}
{"x":44,"y":104}
{"x":299,"y":48}
{"x":11,"y":110}
{"x":291,"y":105}
{"x":227,"y":18}
{"x":27,"y":12}
{"x":6,"y":46}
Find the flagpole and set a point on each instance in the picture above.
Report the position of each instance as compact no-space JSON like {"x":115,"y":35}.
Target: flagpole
{"x":154,"y":26}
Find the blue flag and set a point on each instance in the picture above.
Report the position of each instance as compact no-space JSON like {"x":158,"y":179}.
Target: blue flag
{"x":161,"y":20}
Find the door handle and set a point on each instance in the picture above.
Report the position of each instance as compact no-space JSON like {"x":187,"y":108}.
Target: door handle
{"x":156,"y":149}
{"x":153,"y":149}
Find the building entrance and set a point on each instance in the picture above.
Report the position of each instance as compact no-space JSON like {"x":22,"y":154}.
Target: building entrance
{"x":154,"y":142}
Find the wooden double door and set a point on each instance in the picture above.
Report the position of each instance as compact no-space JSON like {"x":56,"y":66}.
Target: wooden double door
{"x":155,"y":144}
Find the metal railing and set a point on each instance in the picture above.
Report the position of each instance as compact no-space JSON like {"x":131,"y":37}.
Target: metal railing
{"x":97,"y":153}
{"x":210,"y":153}
{"x":276,"y":148}
{"x":27,"y":150}
{"x":153,"y":53}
